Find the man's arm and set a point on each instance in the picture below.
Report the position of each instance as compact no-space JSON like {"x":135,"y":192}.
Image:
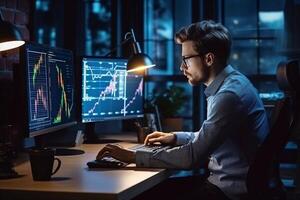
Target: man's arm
{"x":173,"y":138}
{"x":223,"y":120}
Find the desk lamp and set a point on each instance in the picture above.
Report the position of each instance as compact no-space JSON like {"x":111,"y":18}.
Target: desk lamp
{"x":10,"y":38}
{"x":138,"y":61}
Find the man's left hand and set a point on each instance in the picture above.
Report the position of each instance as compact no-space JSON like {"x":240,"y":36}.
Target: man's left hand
{"x":117,"y":152}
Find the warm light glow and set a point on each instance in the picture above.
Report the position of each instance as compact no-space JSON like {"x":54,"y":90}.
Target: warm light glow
{"x":140,"y":68}
{"x":10,"y":45}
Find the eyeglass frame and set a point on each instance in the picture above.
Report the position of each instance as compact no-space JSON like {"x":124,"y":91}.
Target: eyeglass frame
{"x":184,"y":58}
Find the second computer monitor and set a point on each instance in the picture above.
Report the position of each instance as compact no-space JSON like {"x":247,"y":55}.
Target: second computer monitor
{"x":47,"y":87}
{"x":108,"y":91}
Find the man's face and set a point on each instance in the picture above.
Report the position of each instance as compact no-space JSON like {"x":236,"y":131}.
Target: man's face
{"x":192,"y":65}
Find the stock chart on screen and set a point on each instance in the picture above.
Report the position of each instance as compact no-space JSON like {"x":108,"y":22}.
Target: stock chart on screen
{"x":108,"y":92}
{"x":38,"y":87}
{"x":50,"y":81}
{"x":62,"y":86}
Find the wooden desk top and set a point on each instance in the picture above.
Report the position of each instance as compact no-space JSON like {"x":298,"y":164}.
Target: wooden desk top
{"x":75,"y":181}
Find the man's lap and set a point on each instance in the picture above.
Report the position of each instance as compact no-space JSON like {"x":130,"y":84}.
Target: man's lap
{"x":192,"y":187}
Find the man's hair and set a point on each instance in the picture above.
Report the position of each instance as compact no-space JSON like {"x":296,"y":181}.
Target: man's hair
{"x":208,"y":36}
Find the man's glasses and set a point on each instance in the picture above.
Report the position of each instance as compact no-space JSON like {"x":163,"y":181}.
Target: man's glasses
{"x":185,"y":59}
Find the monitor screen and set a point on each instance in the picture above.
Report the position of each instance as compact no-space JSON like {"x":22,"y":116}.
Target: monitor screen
{"x":108,"y":92}
{"x":49,"y":88}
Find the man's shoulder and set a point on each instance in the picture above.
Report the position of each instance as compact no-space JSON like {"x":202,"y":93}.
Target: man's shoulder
{"x":236,"y":83}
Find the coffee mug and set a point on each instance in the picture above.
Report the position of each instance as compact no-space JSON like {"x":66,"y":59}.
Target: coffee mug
{"x":41,"y":161}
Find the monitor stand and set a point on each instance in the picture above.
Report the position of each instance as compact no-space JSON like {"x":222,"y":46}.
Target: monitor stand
{"x":92,"y":138}
{"x":61,"y":149}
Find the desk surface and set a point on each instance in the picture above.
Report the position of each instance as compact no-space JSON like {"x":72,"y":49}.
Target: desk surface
{"x":75,"y":181}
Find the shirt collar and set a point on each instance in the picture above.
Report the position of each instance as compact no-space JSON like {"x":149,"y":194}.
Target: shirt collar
{"x":217,"y":82}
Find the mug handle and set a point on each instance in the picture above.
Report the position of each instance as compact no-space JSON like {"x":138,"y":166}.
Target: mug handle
{"x":58,"y":165}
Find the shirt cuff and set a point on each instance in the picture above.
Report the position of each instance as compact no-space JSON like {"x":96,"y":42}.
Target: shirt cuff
{"x":181,"y":138}
{"x":142,"y":158}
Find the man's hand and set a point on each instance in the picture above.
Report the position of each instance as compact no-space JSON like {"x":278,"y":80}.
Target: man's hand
{"x":161,"y":137}
{"x":117,"y":152}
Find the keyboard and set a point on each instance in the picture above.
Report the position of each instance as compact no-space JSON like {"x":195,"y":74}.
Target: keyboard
{"x":110,"y":162}
{"x":150,"y":148}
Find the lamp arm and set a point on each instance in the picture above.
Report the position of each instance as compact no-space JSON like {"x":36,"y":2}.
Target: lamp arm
{"x":114,"y":49}
{"x":135,"y":45}
{"x":129,"y":36}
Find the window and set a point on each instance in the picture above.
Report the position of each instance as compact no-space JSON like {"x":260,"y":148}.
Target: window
{"x":258,"y":33}
{"x":94,"y":18}
{"x":47,"y":29}
{"x":159,"y":29}
{"x":97,"y":27}
{"x":257,"y":29}
{"x":159,"y":34}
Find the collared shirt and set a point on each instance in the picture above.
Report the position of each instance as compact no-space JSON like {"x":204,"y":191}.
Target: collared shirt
{"x":235,"y":126}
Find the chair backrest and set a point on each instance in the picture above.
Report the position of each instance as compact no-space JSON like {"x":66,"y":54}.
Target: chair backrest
{"x":263,"y":179}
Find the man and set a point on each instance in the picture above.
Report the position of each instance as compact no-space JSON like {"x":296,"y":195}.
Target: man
{"x":236,"y":120}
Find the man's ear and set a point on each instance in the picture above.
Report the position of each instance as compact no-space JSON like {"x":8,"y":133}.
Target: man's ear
{"x":209,"y":59}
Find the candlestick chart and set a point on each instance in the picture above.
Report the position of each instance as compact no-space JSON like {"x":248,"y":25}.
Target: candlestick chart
{"x":38,"y":87}
{"x":62,"y":89}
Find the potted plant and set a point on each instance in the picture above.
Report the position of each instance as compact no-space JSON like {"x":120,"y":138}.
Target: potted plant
{"x":170,"y":102}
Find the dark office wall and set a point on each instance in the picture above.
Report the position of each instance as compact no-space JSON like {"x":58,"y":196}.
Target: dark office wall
{"x":16,"y":12}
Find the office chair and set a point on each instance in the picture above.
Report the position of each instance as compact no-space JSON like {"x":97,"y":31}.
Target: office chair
{"x":263,"y":178}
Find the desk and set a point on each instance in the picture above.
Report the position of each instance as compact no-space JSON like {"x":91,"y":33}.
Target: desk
{"x":75,"y":181}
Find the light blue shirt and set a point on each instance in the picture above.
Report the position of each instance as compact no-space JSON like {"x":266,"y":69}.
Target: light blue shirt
{"x":236,"y":124}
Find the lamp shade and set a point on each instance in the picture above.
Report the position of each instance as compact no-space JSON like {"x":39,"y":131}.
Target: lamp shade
{"x":10,"y":36}
{"x":138,"y":62}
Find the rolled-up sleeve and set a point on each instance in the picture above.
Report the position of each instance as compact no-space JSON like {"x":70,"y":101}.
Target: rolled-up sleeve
{"x":222,"y":120}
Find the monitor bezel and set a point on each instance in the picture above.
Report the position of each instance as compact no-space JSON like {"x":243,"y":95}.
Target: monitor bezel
{"x":107,"y":118}
{"x":22,"y":75}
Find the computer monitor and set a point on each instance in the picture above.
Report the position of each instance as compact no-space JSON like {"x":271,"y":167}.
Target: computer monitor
{"x":108,"y":91}
{"x":49,"y":86}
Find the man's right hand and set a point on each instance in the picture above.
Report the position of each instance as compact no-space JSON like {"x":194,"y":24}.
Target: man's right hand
{"x":161,"y":137}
